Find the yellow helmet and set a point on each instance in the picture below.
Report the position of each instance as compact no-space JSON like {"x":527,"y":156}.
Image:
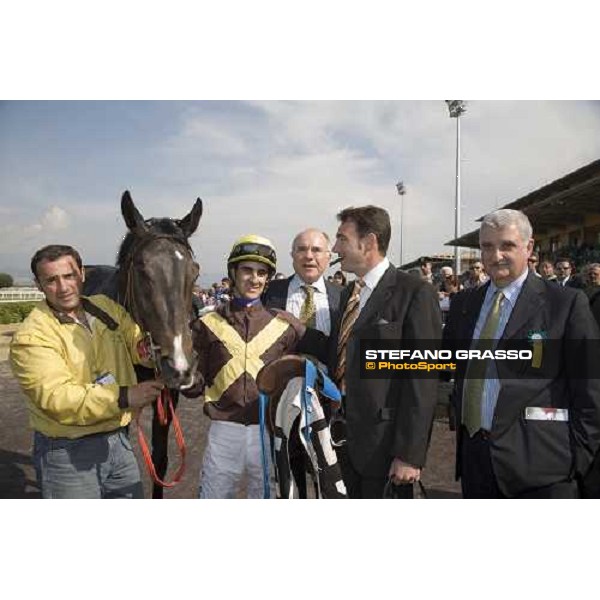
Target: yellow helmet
{"x":253,"y":247}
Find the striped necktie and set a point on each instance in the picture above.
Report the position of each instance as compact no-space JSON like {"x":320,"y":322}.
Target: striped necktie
{"x":475,"y":377}
{"x":348,"y":318}
{"x":308,"y":312}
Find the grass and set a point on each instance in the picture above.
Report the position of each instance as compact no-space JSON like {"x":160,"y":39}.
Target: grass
{"x":15,"y":312}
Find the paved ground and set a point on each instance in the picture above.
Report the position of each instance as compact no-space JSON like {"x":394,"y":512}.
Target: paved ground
{"x":17,"y":477}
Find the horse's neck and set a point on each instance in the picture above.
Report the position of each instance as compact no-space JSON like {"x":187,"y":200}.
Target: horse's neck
{"x":102,"y":279}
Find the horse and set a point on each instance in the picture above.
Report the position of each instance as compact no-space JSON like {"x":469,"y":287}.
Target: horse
{"x":153,"y":278}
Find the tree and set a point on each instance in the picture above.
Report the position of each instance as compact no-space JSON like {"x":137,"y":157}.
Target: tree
{"x":6,"y":280}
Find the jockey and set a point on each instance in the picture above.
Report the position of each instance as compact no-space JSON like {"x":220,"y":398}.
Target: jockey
{"x":233,"y":343}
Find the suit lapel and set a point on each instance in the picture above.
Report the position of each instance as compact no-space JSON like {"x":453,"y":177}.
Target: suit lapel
{"x":381,"y":295}
{"x":528,"y":306}
{"x":281,"y":299}
{"x":330,"y":302}
{"x":471,"y":310}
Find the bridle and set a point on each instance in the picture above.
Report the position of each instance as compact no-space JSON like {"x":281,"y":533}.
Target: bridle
{"x":147,"y":239}
{"x":164,"y":403}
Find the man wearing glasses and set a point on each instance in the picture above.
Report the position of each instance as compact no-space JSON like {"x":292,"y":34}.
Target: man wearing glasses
{"x":477,"y":276}
{"x":310,"y":298}
{"x":306,"y":294}
{"x":564,"y":276}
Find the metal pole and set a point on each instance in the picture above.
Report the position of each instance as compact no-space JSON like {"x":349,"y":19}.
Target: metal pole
{"x":457,"y":108}
{"x":457,"y":270}
{"x":401,"y":191}
{"x":401,"y":230}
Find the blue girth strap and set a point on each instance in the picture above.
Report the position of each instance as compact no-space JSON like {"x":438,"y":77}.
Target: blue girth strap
{"x":263,"y":400}
{"x":328,"y":389}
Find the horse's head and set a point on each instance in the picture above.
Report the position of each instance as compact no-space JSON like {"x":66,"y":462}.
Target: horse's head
{"x":157,"y":270}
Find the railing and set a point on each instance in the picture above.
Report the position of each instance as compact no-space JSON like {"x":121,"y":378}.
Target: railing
{"x":20,"y":295}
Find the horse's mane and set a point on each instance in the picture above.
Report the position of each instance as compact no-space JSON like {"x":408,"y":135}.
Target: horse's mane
{"x":161,"y":227}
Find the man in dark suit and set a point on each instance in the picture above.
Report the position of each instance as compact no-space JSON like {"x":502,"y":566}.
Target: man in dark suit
{"x":310,"y":298}
{"x":564,"y":274}
{"x":388,"y":420}
{"x":528,"y":430}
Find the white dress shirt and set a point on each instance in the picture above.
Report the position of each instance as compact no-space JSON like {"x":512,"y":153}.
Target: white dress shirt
{"x":296,"y":297}
{"x":371,"y":280}
{"x":492,"y":385}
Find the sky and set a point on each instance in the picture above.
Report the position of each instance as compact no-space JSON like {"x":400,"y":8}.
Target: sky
{"x":272,"y":168}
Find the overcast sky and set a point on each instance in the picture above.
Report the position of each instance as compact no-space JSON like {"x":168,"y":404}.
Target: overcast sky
{"x":271,"y":168}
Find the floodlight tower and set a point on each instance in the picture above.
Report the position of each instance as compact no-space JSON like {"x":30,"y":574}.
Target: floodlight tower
{"x":457,"y":108}
{"x":401,"y":191}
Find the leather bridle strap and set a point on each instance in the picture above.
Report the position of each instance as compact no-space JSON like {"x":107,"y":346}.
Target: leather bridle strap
{"x":164,"y":405}
{"x":165,"y":397}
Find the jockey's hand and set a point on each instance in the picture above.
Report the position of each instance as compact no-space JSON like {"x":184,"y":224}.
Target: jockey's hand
{"x":144,"y":393}
{"x":401,"y":472}
{"x":297,"y":324}
{"x":196,"y":388}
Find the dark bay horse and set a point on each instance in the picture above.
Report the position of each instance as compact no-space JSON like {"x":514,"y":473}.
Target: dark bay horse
{"x":153,"y":280}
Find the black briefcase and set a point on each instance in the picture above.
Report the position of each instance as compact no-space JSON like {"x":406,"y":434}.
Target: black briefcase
{"x":404,"y":491}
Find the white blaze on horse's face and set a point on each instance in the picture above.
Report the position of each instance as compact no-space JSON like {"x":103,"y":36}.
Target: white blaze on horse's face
{"x":180,"y":362}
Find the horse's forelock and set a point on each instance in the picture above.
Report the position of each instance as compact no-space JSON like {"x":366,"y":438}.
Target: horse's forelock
{"x":163,"y":227}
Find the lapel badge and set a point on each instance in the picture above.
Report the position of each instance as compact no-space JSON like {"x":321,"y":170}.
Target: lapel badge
{"x":536,"y":339}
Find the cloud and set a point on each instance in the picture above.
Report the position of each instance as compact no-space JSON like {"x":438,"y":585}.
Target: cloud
{"x":274,"y":168}
{"x":54,"y":219}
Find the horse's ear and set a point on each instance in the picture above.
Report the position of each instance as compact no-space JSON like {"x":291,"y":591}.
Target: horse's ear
{"x":132,"y":216}
{"x":189,"y":223}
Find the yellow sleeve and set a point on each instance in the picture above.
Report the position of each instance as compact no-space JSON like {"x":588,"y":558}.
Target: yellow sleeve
{"x":44,"y":374}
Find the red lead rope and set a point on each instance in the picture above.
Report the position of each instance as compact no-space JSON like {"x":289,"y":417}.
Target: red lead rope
{"x":164,"y":402}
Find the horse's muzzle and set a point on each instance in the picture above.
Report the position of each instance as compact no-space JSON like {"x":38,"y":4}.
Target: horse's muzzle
{"x":176,"y":378}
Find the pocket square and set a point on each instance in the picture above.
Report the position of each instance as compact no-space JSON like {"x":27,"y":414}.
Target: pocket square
{"x":382,"y":322}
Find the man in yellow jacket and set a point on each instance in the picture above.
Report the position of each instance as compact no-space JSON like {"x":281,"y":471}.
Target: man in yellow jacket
{"x":73,"y":357}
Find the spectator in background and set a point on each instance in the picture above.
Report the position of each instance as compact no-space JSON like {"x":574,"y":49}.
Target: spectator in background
{"x":564,"y":274}
{"x":592,"y":289}
{"x":532,"y":263}
{"x":476,"y":277}
{"x":340,"y":278}
{"x":223,"y":292}
{"x":448,"y":289}
{"x":426,"y":272}
{"x":547,"y":269}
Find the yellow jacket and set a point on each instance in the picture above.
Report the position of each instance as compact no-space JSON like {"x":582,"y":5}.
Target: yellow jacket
{"x":57,"y":362}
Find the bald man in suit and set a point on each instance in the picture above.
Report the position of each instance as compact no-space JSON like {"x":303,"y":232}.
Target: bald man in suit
{"x":311,"y":298}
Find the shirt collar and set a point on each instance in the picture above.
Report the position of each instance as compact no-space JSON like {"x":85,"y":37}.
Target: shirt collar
{"x":296,"y":283}
{"x":512,"y":290}
{"x":372,"y":278}
{"x":239,"y":303}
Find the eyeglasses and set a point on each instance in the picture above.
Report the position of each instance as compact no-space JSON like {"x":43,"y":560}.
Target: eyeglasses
{"x":316,"y":250}
{"x":532,"y":260}
{"x":475,"y":268}
{"x":254,"y":250}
